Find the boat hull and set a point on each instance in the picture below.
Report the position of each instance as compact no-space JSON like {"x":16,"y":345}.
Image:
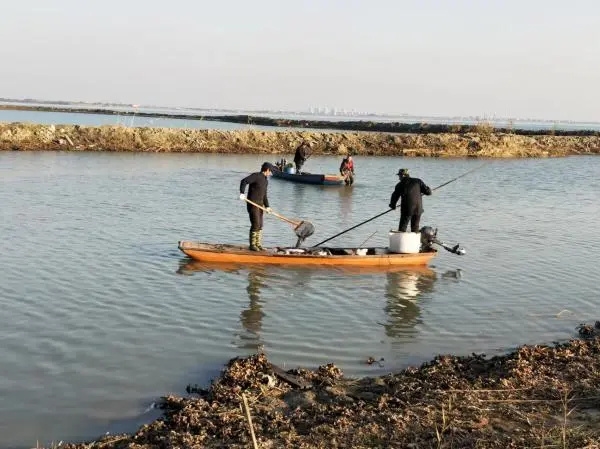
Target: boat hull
{"x":212,"y":253}
{"x":310,"y":178}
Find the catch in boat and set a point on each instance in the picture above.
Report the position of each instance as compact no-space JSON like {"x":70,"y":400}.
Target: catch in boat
{"x":286,"y":171}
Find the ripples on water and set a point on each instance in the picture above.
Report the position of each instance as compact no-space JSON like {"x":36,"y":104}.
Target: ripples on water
{"x":102,"y":314}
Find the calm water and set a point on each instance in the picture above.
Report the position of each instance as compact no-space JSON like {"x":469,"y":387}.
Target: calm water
{"x":75,"y":118}
{"x":102,"y":314}
{"x":66,"y":118}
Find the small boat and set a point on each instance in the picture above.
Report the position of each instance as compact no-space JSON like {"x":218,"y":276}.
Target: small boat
{"x":307,"y":178}
{"x":342,"y":257}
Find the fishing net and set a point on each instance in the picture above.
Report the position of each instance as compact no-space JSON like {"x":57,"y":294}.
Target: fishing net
{"x":303,"y":230}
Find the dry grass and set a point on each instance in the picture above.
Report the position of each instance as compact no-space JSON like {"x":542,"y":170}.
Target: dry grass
{"x":537,"y":396}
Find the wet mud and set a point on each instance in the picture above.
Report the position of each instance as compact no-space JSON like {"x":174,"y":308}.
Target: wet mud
{"x":536,"y":396}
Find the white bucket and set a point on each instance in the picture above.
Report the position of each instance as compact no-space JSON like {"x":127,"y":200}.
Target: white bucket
{"x":405,"y":242}
{"x":290,"y":170}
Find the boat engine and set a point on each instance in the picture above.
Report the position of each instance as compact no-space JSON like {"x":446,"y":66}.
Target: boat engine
{"x":429,"y":238}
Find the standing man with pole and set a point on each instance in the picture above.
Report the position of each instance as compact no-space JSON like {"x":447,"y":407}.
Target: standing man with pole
{"x":409,"y":190}
{"x":302,"y":153}
{"x":257,"y":192}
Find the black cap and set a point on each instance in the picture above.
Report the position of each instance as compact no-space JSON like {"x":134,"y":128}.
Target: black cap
{"x":403,"y":172}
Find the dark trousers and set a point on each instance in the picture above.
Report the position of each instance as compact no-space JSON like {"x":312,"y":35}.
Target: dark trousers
{"x":414,"y":219}
{"x":349,"y":177}
{"x":256,"y":218}
{"x":299,"y":165}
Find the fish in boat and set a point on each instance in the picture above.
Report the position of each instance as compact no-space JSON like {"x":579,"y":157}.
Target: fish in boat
{"x":357,"y":257}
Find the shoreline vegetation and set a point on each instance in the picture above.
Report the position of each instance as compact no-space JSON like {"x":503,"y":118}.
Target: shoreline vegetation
{"x":537,"y":396}
{"x":360,"y":139}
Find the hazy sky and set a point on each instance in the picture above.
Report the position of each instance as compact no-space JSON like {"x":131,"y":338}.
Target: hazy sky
{"x":503,"y":58}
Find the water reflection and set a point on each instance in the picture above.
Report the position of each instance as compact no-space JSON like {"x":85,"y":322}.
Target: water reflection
{"x":251,"y":317}
{"x":453,"y":274}
{"x":189,"y":267}
{"x":298,"y":193}
{"x":402,"y":291}
{"x":404,"y":288}
{"x":345,"y":201}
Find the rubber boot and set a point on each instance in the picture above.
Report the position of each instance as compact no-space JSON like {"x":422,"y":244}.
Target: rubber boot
{"x":253,"y":238}
{"x":258,"y":242}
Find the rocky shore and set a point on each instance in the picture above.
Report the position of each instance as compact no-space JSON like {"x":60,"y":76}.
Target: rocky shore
{"x":479,"y":142}
{"x":536,"y":396}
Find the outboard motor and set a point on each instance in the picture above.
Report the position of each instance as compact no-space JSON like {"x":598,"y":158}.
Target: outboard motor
{"x":429,"y":237}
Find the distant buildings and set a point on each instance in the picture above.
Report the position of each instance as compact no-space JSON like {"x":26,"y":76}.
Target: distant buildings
{"x":326,"y":110}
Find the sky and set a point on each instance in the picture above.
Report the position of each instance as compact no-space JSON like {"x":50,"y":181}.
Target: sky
{"x":486,"y":58}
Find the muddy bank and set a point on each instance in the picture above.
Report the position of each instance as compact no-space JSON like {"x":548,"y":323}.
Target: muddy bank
{"x":484,"y":144}
{"x":537,"y":396}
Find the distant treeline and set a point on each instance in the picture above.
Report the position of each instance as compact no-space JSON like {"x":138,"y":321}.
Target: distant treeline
{"x":359,"y":125}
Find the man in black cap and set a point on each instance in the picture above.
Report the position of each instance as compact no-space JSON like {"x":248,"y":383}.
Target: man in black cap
{"x":257,"y":193}
{"x":411,"y":207}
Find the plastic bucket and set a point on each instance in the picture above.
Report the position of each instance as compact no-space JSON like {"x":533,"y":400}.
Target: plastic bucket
{"x":290,"y":170}
{"x":405,"y":242}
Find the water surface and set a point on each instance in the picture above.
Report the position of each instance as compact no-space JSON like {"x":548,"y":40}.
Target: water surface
{"x":77,"y":118}
{"x":102,"y":314}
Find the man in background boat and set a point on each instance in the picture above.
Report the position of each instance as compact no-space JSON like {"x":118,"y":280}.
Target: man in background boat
{"x":302,"y":153}
{"x":347,"y":169}
{"x":257,"y":193}
{"x":409,"y":190}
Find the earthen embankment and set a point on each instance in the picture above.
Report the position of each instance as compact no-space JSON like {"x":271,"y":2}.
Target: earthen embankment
{"x":482,"y":143}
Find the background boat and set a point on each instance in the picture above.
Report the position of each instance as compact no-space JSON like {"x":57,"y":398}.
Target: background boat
{"x":309,"y":178}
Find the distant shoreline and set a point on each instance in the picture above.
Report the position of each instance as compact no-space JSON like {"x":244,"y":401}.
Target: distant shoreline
{"x":347,"y":125}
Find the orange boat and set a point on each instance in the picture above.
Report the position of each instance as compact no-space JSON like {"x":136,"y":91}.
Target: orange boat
{"x":356,"y":257}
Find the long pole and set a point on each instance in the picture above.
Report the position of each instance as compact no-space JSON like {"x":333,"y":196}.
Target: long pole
{"x":281,"y":217}
{"x":249,"y":418}
{"x":458,"y":177}
{"x":367,"y":239}
{"x":389,"y":210}
{"x":354,"y":227}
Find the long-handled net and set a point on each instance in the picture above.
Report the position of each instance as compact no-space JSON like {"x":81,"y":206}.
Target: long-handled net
{"x":303,"y":229}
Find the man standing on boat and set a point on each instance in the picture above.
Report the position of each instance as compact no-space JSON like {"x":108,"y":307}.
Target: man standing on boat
{"x":409,"y":190}
{"x":302,"y":153}
{"x":257,"y":193}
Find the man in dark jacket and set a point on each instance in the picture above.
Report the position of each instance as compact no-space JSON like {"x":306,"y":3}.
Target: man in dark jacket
{"x":302,"y":153}
{"x":411,"y":207}
{"x":257,"y":193}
